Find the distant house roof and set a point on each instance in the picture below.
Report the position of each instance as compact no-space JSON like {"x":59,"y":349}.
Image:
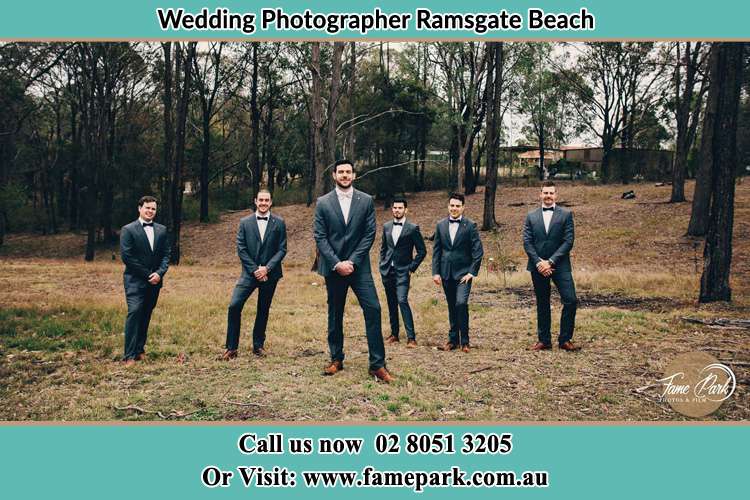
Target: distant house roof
{"x":534,"y":154}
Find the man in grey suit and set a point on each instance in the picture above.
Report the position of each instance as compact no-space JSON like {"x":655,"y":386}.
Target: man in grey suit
{"x":401,"y":238}
{"x":548,"y":236}
{"x":261,"y":246}
{"x":344,"y":231}
{"x":145,"y":249}
{"x":456,"y":256}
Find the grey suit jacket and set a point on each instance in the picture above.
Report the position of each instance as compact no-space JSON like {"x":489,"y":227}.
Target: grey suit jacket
{"x":254,"y":253}
{"x":401,"y":254}
{"x":338,"y":241}
{"x":464,"y":255}
{"x":555,"y":245}
{"x":140,"y":261}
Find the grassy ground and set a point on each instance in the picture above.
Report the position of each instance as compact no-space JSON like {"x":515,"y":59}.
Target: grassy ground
{"x":61,"y":324}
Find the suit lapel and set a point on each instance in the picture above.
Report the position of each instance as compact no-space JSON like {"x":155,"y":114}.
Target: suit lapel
{"x":539,"y":218}
{"x":337,"y":208}
{"x":446,"y":230}
{"x":460,"y":231}
{"x":254,"y":228}
{"x":356,"y":202}
{"x":389,"y":234}
{"x":555,"y":219}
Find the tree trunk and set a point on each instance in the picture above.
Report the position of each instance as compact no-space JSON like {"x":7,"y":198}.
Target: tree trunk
{"x":255,"y":123}
{"x":338,"y":49}
{"x":186,"y":62}
{"x":317,"y":121}
{"x":726,"y":80}
{"x":699,"y":214}
{"x":494,"y":93}
{"x":205,"y":151}
{"x":168,"y":129}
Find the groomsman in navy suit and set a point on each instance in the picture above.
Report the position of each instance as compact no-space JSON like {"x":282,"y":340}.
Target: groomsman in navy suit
{"x":145,"y":250}
{"x":401,"y":239}
{"x":548,"y":236}
{"x":261,"y":246}
{"x":456,"y":256}
{"x":344,"y":231}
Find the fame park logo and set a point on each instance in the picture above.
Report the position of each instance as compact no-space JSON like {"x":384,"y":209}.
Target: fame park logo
{"x":695,"y":384}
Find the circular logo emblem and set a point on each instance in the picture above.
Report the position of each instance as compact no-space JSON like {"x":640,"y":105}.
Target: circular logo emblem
{"x":695,"y":384}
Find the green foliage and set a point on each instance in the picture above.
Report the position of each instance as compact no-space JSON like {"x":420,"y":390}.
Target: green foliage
{"x":59,"y":329}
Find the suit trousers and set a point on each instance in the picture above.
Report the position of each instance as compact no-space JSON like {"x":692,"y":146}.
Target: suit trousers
{"x":566,"y":287}
{"x":141,"y":303}
{"x":396,"y":284}
{"x":457,"y":296}
{"x":363,"y":287}
{"x":242,"y":292}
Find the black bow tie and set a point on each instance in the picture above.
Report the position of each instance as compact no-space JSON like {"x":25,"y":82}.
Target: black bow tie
{"x":454,"y":221}
{"x":262,"y":218}
{"x":545,"y":209}
{"x":148,"y":224}
{"x":398,"y":223}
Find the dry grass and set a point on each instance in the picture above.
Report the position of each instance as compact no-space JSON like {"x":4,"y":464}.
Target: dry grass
{"x":61,"y":327}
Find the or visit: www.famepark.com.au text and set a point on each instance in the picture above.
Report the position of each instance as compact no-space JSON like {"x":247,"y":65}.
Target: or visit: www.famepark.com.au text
{"x":369,"y":477}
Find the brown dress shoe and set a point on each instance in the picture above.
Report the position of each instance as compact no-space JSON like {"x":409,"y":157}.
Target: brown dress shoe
{"x":260,"y":352}
{"x":539,"y":346}
{"x":141,"y":357}
{"x":128,"y":363}
{"x":229,"y":354}
{"x":333,"y":368}
{"x":447,"y":347}
{"x":392,"y":339}
{"x":569,"y":346}
{"x":383,"y":375}
{"x":411,"y":343}
{"x":465,"y":348}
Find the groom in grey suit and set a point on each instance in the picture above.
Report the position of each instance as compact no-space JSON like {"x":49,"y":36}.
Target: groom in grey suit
{"x":261,"y":246}
{"x":145,"y":250}
{"x":548,"y":236}
{"x":456,"y":256}
{"x":401,"y":239}
{"x":344,"y":231}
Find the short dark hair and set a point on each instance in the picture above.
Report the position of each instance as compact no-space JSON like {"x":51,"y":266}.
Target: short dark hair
{"x":400,"y":199}
{"x":147,"y":199}
{"x":342,"y":161}
{"x":548,"y":183}
{"x":457,"y":196}
{"x":263,"y":190}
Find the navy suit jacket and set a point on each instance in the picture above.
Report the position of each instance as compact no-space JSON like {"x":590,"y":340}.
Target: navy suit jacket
{"x":338,"y":241}
{"x":254,"y":253}
{"x":555,"y":245}
{"x":140,"y":261}
{"x":454,"y":260}
{"x":401,"y":254}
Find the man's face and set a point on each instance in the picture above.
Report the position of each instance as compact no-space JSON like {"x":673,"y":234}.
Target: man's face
{"x":455,"y":208}
{"x":147,"y":211}
{"x":263,"y":202}
{"x":399,"y":210}
{"x":548,"y":195}
{"x":344,"y":176}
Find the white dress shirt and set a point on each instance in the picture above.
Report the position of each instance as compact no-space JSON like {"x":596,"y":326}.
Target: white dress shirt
{"x":547,"y":216}
{"x":453,"y":228}
{"x":345,"y":200}
{"x":149,"y":232}
{"x":397,"y":229}
{"x":262,"y":224}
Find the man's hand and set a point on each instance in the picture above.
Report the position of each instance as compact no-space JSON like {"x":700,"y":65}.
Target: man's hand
{"x":345,"y":268}
{"x":154,"y":278}
{"x":466,"y":278}
{"x":545,"y":268}
{"x":261,"y":274}
{"x":436,"y":279}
